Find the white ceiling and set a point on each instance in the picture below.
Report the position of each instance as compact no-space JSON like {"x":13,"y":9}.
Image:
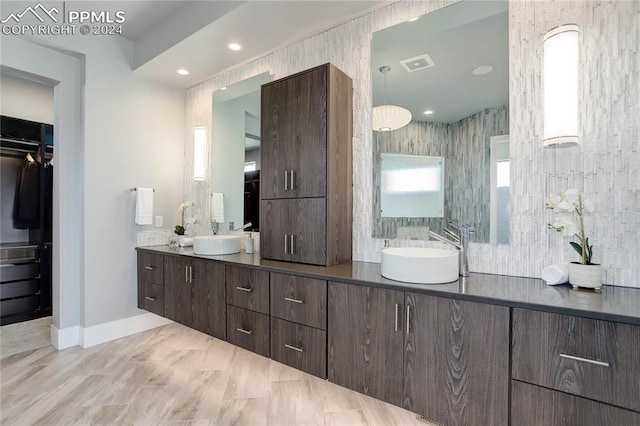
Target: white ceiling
{"x":458,"y":38}
{"x":194,"y":34}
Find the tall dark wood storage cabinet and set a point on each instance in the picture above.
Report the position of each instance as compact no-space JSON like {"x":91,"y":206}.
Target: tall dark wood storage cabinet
{"x":306,"y":172}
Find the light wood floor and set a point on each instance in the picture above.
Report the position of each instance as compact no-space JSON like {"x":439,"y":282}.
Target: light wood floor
{"x":175,"y":375}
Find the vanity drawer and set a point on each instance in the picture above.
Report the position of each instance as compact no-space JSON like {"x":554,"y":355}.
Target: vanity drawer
{"x":153,"y":298}
{"x":247,"y":288}
{"x":248,"y":329}
{"x":591,"y":358}
{"x":150,"y":268}
{"x":533,"y":405}
{"x":19,"y":289}
{"x":19,"y":272}
{"x":299,"y":346}
{"x":299,"y":299}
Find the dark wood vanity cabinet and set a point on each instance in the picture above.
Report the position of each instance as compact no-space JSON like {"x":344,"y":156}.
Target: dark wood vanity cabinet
{"x":151,"y":282}
{"x":442,"y":358}
{"x":306,"y":170}
{"x":577,"y":366}
{"x":195,"y":294}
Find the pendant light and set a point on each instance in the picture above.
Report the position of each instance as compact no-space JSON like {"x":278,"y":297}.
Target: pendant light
{"x":389,"y":117}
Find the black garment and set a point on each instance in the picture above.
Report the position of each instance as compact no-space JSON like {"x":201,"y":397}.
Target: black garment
{"x":26,"y":205}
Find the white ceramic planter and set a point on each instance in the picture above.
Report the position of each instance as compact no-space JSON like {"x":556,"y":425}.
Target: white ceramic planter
{"x":586,"y":276}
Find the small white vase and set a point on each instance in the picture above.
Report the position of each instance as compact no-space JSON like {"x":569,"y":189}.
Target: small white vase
{"x":586,"y":276}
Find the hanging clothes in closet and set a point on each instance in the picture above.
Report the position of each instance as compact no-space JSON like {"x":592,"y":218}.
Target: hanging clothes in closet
{"x":26,"y":206}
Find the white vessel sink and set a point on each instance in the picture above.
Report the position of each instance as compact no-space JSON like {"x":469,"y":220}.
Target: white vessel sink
{"x":216,"y":244}
{"x":422,"y":265}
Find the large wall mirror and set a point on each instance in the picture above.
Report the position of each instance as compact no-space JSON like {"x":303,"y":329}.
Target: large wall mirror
{"x":235,"y":153}
{"x":449,"y":68}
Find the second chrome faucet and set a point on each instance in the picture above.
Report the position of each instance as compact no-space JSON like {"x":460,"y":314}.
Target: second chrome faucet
{"x":459,"y":238}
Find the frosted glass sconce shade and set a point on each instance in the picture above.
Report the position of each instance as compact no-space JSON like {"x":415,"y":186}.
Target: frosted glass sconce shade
{"x":561,"y":86}
{"x":199,"y":152}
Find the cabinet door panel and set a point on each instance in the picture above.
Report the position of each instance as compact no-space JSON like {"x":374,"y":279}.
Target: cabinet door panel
{"x":308,"y":150}
{"x":248,"y":329}
{"x":276,"y":135}
{"x":365,"y":338}
{"x":248,"y":288}
{"x":274,"y":217}
{"x":299,"y":346}
{"x":299,"y":299}
{"x":308,"y":217}
{"x":178,"y":291}
{"x":209,"y":302}
{"x":456,"y":361}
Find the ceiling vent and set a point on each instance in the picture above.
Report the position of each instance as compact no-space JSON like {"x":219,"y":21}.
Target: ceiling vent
{"x":417,"y":63}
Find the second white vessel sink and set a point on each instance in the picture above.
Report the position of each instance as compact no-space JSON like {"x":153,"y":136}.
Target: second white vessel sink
{"x":421,"y":265}
{"x":216,"y":244}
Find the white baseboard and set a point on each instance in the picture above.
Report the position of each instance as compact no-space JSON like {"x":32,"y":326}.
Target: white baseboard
{"x":66,"y":337}
{"x":101,"y":333}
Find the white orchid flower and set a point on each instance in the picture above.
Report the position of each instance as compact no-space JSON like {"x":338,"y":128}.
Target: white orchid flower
{"x":185,"y":205}
{"x":568,"y":200}
{"x":553,"y":201}
{"x":587,"y":205}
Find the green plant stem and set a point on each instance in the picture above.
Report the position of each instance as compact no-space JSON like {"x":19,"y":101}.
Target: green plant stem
{"x":581,"y":236}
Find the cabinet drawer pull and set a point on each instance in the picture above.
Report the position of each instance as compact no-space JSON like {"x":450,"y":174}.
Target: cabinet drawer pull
{"x":293,"y":347}
{"x":242,"y":330}
{"x":408,"y":312}
{"x":289,"y":299}
{"x":590,"y":361}
{"x":397,"y":306}
{"x":248,"y":290}
{"x":151,"y":299}
{"x":286,"y":180}
{"x":150,"y":268}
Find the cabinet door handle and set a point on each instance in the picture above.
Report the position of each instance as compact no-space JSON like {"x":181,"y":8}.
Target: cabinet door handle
{"x":289,"y":299}
{"x":286,"y":180}
{"x":589,"y":361}
{"x":186,"y":273}
{"x":150,"y":268}
{"x":292,"y":177}
{"x":397,"y":306}
{"x":293,"y":347}
{"x":190,"y":274}
{"x":248,"y":290}
{"x":293,"y":247}
{"x":286,"y":247}
{"x":242,"y":330}
{"x":408,"y":312}
{"x":151,"y":299}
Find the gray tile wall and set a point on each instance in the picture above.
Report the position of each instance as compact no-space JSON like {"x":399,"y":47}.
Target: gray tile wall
{"x":606,"y":166}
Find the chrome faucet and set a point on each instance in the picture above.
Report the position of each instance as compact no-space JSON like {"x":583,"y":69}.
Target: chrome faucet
{"x":243,"y":227}
{"x":215,"y":227}
{"x":459,"y":238}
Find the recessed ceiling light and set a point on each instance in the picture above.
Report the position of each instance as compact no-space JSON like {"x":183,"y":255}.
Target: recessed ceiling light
{"x":482,"y":69}
{"x":414,"y":19}
{"x":234,"y":46}
{"x":182,"y":71}
{"x":223,"y":88}
{"x":428,"y":112}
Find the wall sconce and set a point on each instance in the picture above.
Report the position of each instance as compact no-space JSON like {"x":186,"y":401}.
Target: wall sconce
{"x":561,"y":86}
{"x":199,"y":152}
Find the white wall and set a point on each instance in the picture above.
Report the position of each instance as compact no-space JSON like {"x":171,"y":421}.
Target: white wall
{"x":132,"y":134}
{"x":605,"y":166}
{"x":26,"y":99}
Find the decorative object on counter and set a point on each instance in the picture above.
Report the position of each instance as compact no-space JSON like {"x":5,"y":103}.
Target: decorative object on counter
{"x":582,"y":274}
{"x":182,"y":208}
{"x":249,"y":244}
{"x":185,"y":242}
{"x":556,"y":274}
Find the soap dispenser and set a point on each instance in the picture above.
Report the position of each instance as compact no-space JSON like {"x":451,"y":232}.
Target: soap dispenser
{"x":249,"y":244}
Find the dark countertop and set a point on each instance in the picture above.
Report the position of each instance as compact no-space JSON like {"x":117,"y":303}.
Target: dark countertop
{"x":620,"y":304}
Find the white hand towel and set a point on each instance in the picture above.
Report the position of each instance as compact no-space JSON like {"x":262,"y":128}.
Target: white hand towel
{"x":556,"y":274}
{"x":144,"y":206}
{"x":185,"y":242}
{"x":217,"y":207}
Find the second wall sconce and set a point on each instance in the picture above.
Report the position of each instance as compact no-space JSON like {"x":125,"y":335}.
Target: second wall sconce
{"x":199,"y":152}
{"x":561,"y":86}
